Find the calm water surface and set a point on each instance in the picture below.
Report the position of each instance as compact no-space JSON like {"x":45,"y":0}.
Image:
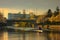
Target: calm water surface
{"x":29,"y":36}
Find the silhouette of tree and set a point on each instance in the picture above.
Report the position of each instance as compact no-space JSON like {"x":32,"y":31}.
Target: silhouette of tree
{"x":49,"y":13}
{"x":57,"y":11}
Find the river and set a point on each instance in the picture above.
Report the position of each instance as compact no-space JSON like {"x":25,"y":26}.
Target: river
{"x":29,"y":36}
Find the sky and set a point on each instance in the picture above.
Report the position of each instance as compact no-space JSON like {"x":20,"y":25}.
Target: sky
{"x":40,"y":6}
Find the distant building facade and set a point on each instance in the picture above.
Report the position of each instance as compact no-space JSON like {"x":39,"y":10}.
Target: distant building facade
{"x":18,"y":16}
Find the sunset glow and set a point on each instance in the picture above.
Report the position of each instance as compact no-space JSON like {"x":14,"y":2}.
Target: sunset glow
{"x":5,"y":11}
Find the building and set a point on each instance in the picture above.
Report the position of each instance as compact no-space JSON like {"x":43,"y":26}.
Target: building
{"x":18,"y":16}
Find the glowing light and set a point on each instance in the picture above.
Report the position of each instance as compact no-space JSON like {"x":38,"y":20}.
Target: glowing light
{"x":5,"y":11}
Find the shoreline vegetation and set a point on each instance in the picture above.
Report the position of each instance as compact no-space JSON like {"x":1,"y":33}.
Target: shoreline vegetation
{"x":49,"y":19}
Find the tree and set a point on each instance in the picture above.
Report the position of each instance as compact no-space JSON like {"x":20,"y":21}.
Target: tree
{"x":31,"y":15}
{"x":49,"y":13}
{"x":57,"y":11}
{"x":55,"y":14}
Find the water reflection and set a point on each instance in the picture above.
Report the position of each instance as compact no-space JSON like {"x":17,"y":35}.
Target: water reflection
{"x":29,"y":36}
{"x":53,"y":36}
{"x":3,"y":35}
